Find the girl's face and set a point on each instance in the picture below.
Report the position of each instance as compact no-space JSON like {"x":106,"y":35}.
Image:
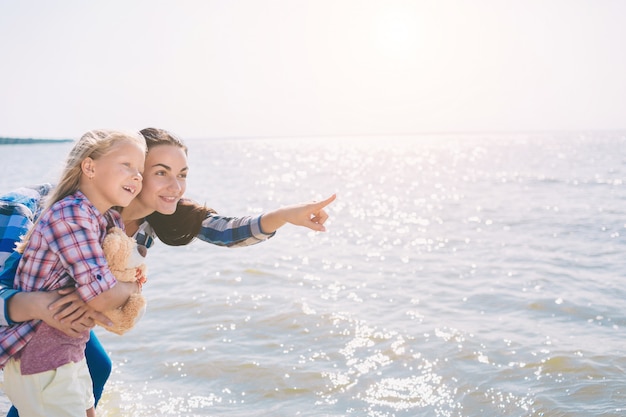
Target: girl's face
{"x":115,"y":178}
{"x":164,"y":179}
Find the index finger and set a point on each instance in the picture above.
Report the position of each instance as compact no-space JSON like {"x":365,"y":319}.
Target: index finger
{"x":324,"y":203}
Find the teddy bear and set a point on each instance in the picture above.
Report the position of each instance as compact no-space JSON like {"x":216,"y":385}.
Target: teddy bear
{"x":126,"y":262}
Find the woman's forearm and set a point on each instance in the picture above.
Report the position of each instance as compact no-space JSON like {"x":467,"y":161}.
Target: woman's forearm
{"x":272,"y":221}
{"x":25,"y":306}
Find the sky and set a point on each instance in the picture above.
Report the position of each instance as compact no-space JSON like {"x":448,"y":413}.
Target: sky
{"x":263,"y":68}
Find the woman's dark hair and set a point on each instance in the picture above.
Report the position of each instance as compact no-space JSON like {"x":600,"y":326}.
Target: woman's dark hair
{"x":182,"y":226}
{"x":155,"y":137}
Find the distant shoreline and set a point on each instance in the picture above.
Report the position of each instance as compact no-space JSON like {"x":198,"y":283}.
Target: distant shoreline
{"x":17,"y":141}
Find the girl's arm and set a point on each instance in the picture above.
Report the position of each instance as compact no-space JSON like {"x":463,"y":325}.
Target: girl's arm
{"x":114,"y":297}
{"x":74,"y":233}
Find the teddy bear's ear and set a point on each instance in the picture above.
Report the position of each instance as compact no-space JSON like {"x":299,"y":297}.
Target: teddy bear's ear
{"x":111,"y":241}
{"x":116,"y":246}
{"x":116,"y":231}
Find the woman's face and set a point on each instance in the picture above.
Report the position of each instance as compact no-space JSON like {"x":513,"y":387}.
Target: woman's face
{"x":164,"y":178}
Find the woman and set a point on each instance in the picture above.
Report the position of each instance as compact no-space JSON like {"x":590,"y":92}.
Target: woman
{"x":158,"y":211}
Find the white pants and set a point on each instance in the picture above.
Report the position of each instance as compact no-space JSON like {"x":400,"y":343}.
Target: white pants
{"x":64,"y":392}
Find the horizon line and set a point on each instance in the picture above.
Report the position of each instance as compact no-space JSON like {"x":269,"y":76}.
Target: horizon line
{"x":331,"y":135}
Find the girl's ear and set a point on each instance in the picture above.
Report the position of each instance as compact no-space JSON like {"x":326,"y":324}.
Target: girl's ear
{"x":88,"y":167}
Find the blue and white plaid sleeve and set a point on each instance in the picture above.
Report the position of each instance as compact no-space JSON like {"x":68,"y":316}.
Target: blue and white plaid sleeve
{"x":233,"y":232}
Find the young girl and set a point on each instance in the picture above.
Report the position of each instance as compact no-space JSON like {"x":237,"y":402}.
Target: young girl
{"x":46,"y":374}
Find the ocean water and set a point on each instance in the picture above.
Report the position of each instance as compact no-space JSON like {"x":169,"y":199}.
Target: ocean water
{"x":461,"y":275}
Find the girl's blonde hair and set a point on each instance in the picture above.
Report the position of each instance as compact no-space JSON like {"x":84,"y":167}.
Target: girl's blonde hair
{"x":93,"y":144}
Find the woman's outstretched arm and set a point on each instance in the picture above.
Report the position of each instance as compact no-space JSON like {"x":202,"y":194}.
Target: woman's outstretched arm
{"x":311,"y":215}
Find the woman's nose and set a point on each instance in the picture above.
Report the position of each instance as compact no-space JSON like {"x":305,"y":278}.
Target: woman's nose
{"x":175,"y":184}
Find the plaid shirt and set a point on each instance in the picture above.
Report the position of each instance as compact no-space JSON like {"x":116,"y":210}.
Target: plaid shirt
{"x":65,"y":249}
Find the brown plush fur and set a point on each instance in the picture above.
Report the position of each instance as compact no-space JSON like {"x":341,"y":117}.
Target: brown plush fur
{"x":118,"y":249}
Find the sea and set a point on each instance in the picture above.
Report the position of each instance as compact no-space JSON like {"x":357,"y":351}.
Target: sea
{"x":460,"y":275}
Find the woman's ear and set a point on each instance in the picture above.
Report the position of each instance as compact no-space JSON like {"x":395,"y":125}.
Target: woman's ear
{"x":88,"y":167}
